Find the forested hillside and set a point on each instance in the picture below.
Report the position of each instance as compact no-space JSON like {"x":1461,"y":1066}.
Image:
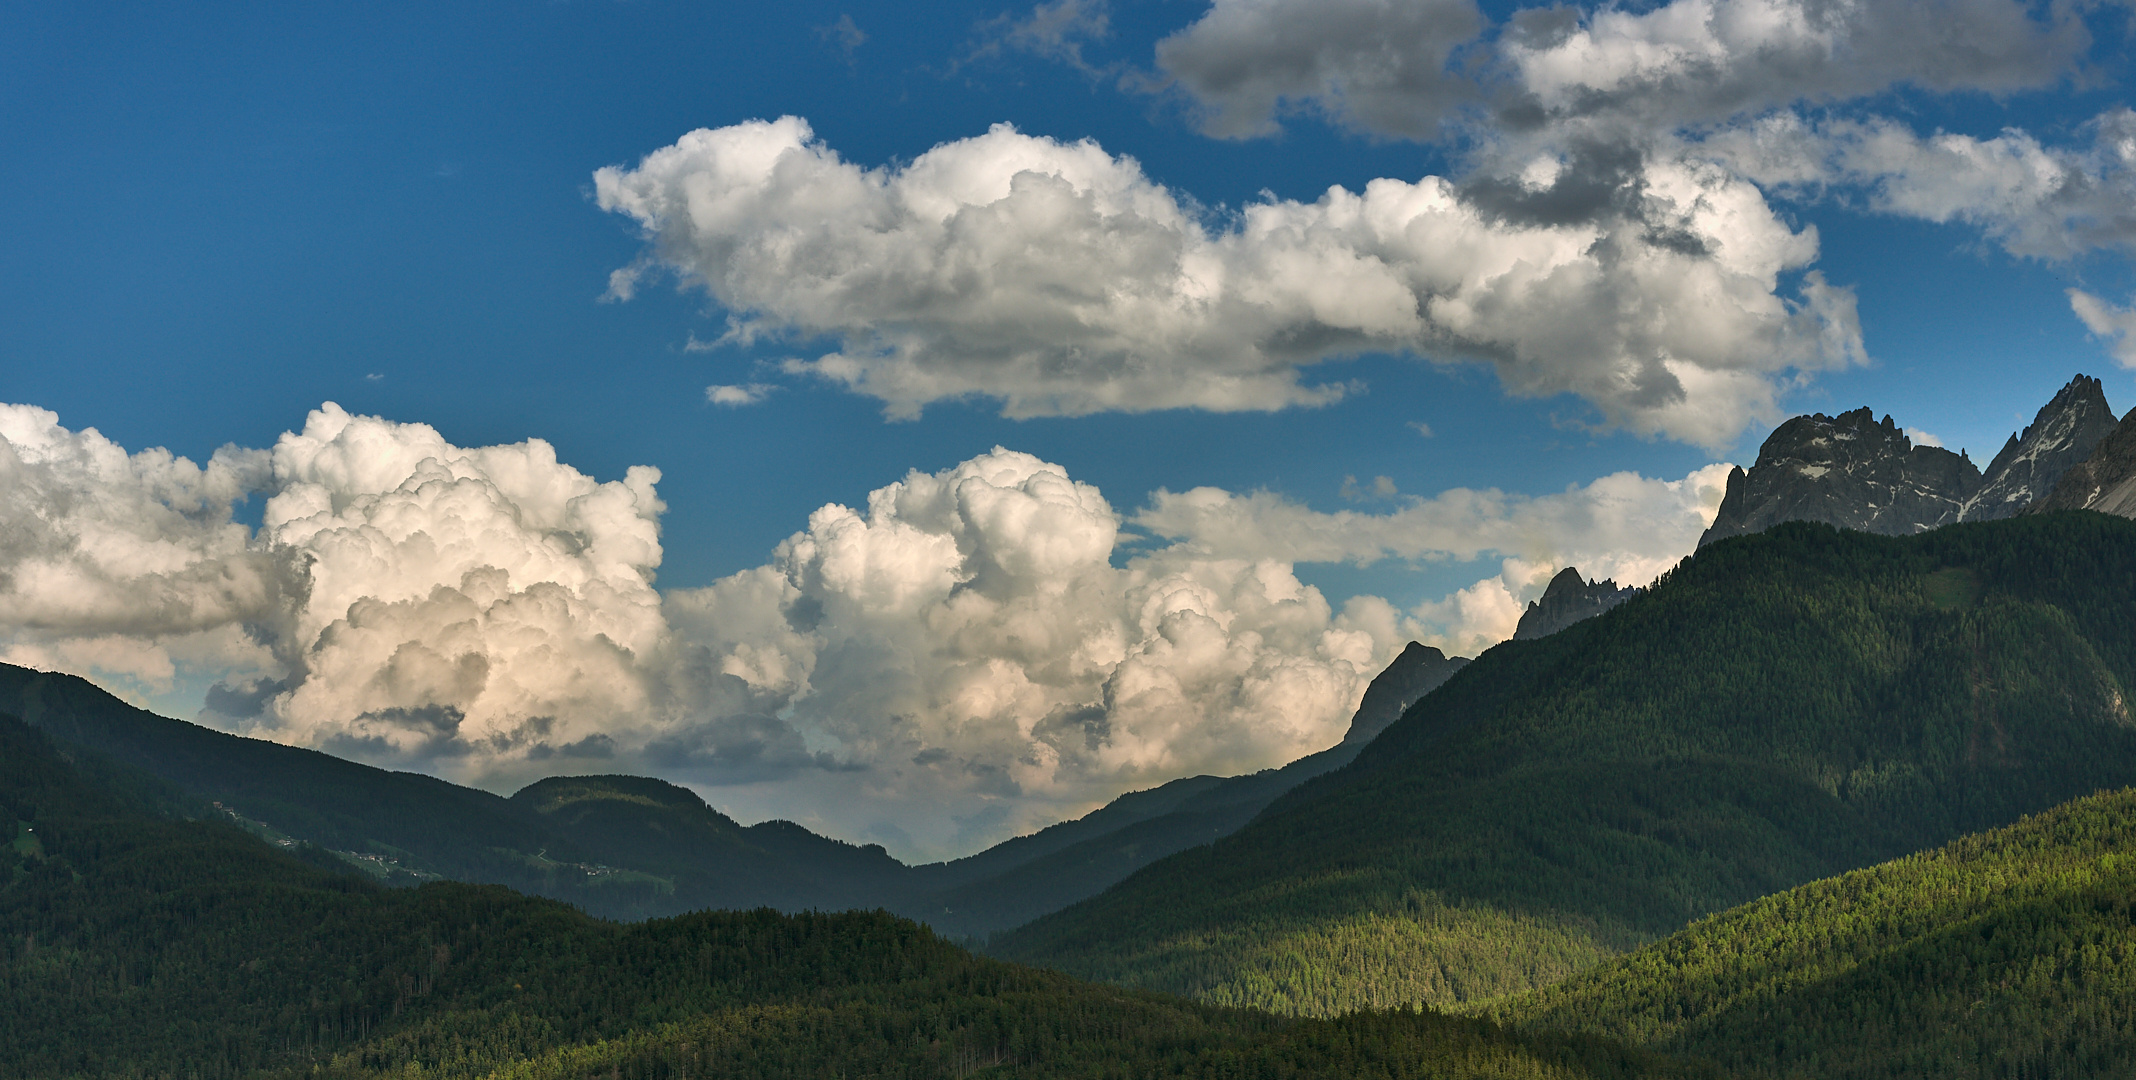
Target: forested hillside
{"x":134,"y":943}
{"x":2009,"y":953}
{"x":1781,"y":707}
{"x":635,"y":847}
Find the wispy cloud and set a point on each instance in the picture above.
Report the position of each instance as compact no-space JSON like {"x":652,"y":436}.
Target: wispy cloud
{"x":844,"y":34}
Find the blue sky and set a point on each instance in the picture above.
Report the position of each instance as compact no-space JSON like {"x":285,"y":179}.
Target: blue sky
{"x":221,"y":216}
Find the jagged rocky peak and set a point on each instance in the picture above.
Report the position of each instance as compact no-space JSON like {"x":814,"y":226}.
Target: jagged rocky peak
{"x":1849,"y":470}
{"x":1416,"y":672}
{"x":2064,"y":433}
{"x":1855,"y":472}
{"x":2104,"y":481}
{"x":1568,"y":599}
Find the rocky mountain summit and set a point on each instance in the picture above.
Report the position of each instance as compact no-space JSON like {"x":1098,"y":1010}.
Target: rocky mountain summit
{"x":1416,"y":672}
{"x":1566,"y":600}
{"x":1856,"y":472}
{"x":1847,"y":470}
{"x":2066,"y":431}
{"x":2105,"y":481}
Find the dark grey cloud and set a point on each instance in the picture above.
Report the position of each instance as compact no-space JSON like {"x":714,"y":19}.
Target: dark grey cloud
{"x":1375,"y":65}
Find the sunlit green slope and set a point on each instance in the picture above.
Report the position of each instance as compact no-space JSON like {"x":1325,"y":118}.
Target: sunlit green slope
{"x":2009,"y":953}
{"x":1780,"y":708}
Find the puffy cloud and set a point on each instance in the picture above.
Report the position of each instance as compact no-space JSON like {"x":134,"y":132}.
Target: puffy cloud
{"x":1061,"y":280}
{"x":1622,"y":526}
{"x":127,"y":562}
{"x":969,"y":637}
{"x":967,"y":656}
{"x":2034,"y":200}
{"x":1400,"y":67}
{"x":457,"y":598}
{"x":2110,"y":323}
{"x":1375,"y":65}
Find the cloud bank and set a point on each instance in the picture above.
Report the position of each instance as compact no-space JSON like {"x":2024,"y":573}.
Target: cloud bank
{"x":1059,"y":280}
{"x":975,"y":652}
{"x":122,"y":562}
{"x":1400,"y":69}
{"x":1373,"y":65}
{"x":1612,"y":170}
{"x":2049,"y":202}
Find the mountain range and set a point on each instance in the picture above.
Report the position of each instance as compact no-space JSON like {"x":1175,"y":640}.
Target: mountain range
{"x":137,"y":943}
{"x":635,"y":847}
{"x":1709,"y":826}
{"x":1783,"y":707}
{"x":1855,"y":472}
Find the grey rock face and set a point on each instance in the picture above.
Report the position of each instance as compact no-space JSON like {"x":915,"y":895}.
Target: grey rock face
{"x":1568,"y":599}
{"x":1854,"y":472}
{"x":1847,"y":470}
{"x":2064,"y":433}
{"x":1417,"y":672}
{"x":2104,"y":481}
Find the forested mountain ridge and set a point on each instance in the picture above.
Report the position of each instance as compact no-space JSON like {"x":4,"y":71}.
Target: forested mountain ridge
{"x":133,"y":944}
{"x":621,"y":847}
{"x":635,"y":847}
{"x":1779,"y":708}
{"x":420,"y":822}
{"x":2007,"y":953}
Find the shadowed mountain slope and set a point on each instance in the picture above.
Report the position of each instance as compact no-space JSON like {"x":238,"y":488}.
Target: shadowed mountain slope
{"x":133,"y":944}
{"x":633,"y":847}
{"x":1137,"y":829}
{"x":2105,"y":481}
{"x":1779,"y":708}
{"x":2066,"y":432}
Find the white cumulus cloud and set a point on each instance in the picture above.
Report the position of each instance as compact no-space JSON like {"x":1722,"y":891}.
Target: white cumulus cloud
{"x":1623,"y":526}
{"x":971,"y":654}
{"x":968,"y":635}
{"x":452,"y":598}
{"x":1060,"y":280}
{"x":120,"y":560}
{"x":735,"y":396}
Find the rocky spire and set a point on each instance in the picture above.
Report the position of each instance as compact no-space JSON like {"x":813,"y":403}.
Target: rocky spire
{"x":1418,"y":671}
{"x":2104,"y":481}
{"x":2063,"y":434}
{"x":1568,"y":599}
